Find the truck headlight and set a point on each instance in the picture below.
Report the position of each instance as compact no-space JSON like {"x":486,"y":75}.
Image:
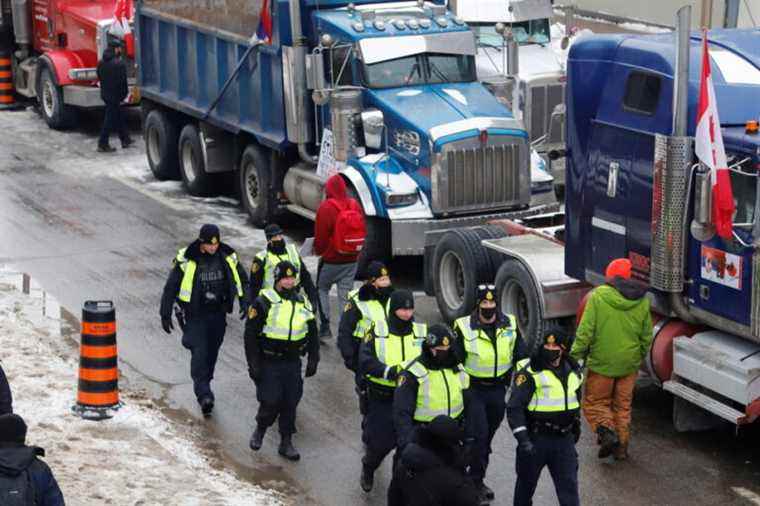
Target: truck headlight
{"x":400,"y":199}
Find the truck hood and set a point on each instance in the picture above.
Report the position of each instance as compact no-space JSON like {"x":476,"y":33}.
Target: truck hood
{"x":534,"y":59}
{"x":427,"y":106}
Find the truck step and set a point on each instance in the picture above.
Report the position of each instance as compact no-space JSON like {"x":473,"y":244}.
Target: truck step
{"x":704,"y":401}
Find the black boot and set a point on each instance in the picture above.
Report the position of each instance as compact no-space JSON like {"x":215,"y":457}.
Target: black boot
{"x":207,"y":406}
{"x":487,"y":492}
{"x":257,"y":438}
{"x":105,"y":148}
{"x":367,"y":479}
{"x":608,"y":441}
{"x":126,"y":142}
{"x":287,"y":449}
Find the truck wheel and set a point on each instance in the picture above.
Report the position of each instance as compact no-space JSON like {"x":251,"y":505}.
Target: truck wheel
{"x":518,"y":297}
{"x":192,"y":165}
{"x":494,"y":257}
{"x":161,"y":139}
{"x":255,"y":195}
{"x":57,"y":114}
{"x":461,"y":263}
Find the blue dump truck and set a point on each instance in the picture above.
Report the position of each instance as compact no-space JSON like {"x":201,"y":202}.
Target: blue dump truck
{"x":385,"y":94}
{"x":636,"y":190}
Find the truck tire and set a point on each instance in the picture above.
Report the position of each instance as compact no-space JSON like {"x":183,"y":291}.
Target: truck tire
{"x":376,"y":244}
{"x":192,"y":166}
{"x":255,"y":186}
{"x":494,"y":257}
{"x":57,"y":114}
{"x":518,"y":296}
{"x":460,"y":264}
{"x":161,"y":139}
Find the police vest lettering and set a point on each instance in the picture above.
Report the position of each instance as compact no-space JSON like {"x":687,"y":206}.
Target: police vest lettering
{"x":549,"y":395}
{"x":394,"y":350}
{"x":371,"y":311}
{"x":270,"y":261}
{"x":189,"y":268}
{"x":287,"y":320}
{"x":439,"y":392}
{"x":486,"y":359}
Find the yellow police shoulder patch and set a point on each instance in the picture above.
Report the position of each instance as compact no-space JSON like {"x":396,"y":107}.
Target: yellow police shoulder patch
{"x":520,"y":379}
{"x":347,"y":307}
{"x":400,"y":380}
{"x":252,"y":313}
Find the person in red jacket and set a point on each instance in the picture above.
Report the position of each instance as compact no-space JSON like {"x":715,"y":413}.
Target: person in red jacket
{"x":335,"y":268}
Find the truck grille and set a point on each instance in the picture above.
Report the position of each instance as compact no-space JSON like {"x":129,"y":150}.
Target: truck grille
{"x":543,"y":99}
{"x":481,"y":178}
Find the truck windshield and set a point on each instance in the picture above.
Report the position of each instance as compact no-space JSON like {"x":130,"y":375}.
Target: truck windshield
{"x":535,"y":31}
{"x":744,"y":186}
{"x":425,"y":68}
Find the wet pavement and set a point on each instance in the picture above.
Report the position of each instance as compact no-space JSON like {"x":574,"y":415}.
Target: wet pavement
{"x":88,"y":226}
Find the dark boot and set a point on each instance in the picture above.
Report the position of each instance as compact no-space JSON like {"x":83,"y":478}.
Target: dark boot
{"x":367,"y":479}
{"x":621,"y":452}
{"x":257,"y":438}
{"x":487,"y":492}
{"x":608,"y":441}
{"x":105,"y":148}
{"x":207,"y":406}
{"x":126,"y":142}
{"x":287,"y":449}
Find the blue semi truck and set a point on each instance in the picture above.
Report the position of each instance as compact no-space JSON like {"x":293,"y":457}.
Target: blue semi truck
{"x":385,"y":94}
{"x":635,"y":190}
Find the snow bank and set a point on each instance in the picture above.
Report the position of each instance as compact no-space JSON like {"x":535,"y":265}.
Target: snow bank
{"x":137,"y":457}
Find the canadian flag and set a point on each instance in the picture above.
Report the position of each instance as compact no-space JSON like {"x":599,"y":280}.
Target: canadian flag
{"x":710,"y":151}
{"x":120,"y":27}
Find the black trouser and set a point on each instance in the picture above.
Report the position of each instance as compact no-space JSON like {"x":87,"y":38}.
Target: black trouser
{"x":113,"y":123}
{"x":203,"y":336}
{"x":377,"y":430}
{"x":485,"y":412}
{"x":279,"y":391}
{"x":557,"y":452}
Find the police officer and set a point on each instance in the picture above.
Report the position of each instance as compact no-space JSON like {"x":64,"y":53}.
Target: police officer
{"x":433,"y":384}
{"x":388,"y":346}
{"x":543,"y":412}
{"x":204,"y":281}
{"x":279,"y":330}
{"x":488,"y":342}
{"x":262,"y":267}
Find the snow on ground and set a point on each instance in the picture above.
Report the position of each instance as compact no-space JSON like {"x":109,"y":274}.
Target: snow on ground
{"x":137,"y":457}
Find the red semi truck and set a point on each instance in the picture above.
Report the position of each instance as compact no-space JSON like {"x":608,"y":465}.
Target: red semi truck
{"x":55,"y":46}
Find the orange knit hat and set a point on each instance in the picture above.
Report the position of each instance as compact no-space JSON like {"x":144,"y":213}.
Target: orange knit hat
{"x":620,"y":267}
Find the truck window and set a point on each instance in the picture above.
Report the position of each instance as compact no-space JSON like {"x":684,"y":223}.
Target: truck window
{"x":341,"y":59}
{"x":642,"y":93}
{"x":446,"y":68}
{"x":744,"y":187}
{"x":432,"y":68}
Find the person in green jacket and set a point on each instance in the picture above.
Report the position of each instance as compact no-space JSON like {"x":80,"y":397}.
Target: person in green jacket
{"x":612,"y":339}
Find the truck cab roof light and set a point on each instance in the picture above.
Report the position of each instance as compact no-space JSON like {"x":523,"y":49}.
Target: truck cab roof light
{"x":752,"y":126}
{"x":379,"y":25}
{"x":399,"y":24}
{"x":458,"y":20}
{"x":425,"y":23}
{"x":412,"y":24}
{"x":358,"y":26}
{"x":442,"y":21}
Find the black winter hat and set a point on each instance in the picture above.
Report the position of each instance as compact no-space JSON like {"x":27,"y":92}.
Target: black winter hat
{"x":375,"y":270}
{"x":438,"y":335}
{"x":486,"y":292}
{"x":12,"y":429}
{"x":272,"y":230}
{"x":284,"y":269}
{"x":556,"y":335}
{"x":209,"y":234}
{"x":401,"y":299}
{"x":114,"y":42}
{"x":445,"y":428}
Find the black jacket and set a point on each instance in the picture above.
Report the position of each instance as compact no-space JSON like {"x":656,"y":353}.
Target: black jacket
{"x":431,"y":473}
{"x":171,"y":288}
{"x":112,"y":74}
{"x":16,"y":459}
{"x":6,"y":400}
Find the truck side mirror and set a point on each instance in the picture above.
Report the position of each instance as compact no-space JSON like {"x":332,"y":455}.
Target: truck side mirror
{"x":373,"y":123}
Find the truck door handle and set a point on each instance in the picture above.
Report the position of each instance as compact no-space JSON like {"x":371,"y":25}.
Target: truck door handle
{"x":612,"y":178}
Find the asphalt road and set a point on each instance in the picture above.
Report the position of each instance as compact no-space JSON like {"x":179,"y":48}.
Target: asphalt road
{"x":91,"y":226}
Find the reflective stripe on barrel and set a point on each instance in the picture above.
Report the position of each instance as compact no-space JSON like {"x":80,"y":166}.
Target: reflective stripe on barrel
{"x":6,"y":79}
{"x":98,"y":357}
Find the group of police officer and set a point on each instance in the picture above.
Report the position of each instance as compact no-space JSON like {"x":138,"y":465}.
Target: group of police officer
{"x":410,"y":377}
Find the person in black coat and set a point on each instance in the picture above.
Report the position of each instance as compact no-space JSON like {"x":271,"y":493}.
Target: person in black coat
{"x":112,"y":74}
{"x":24,"y":478}
{"x":431,"y":470}
{"x":6,"y":399}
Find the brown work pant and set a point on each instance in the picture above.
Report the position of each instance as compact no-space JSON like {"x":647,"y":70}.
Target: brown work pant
{"x":607,"y":403}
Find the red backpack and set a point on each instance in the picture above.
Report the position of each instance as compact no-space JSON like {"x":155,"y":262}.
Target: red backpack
{"x":350,"y":230}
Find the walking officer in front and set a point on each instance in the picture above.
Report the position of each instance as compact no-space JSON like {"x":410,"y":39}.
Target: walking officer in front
{"x":543,"y":412}
{"x":488,"y":343}
{"x":204,"y":281}
{"x":433,"y":384}
{"x":262,"y":267}
{"x":389,"y":345}
{"x":280,"y":329}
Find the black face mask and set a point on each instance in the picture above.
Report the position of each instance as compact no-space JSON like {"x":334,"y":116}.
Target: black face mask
{"x":384,"y":291}
{"x":487,"y":312}
{"x":550,"y":356}
{"x":277,"y":247}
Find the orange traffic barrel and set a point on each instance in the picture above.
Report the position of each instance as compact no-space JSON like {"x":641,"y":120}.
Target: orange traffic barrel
{"x":7,"y":98}
{"x":98,"y":392}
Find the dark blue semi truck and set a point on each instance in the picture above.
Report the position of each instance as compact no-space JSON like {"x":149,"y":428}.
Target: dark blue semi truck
{"x":383,"y":93}
{"x":636,"y":190}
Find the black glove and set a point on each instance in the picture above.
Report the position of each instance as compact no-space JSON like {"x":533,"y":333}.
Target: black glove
{"x":526,"y":447}
{"x":243,"y":304}
{"x":393,"y":373}
{"x":311,"y":368}
{"x":166,"y":323}
{"x":254,"y":372}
